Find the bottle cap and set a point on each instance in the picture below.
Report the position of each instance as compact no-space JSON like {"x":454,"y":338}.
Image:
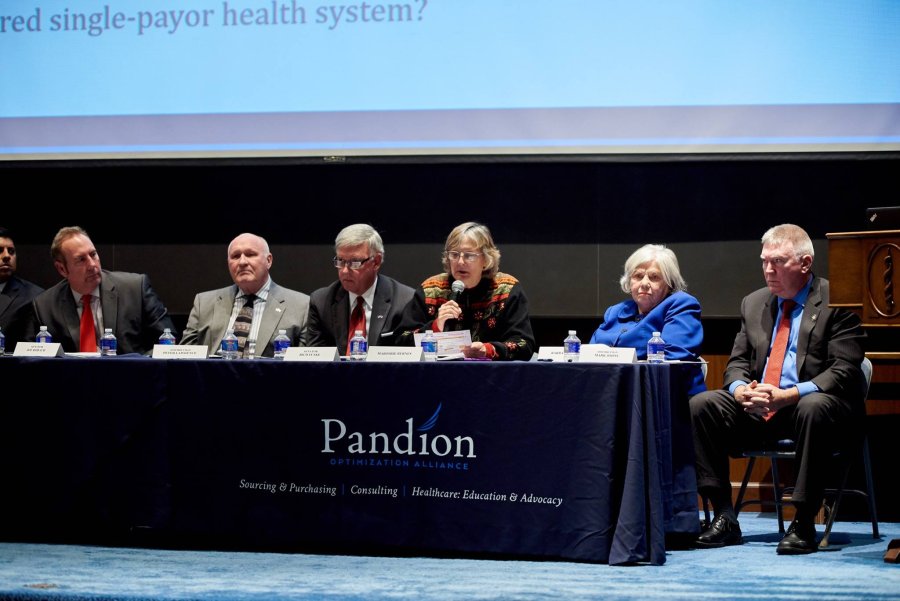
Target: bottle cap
{"x":656,"y":333}
{"x":571,"y":332}
{"x":358,"y":333}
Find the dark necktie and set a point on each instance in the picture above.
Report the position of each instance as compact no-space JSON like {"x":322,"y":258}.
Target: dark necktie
{"x":779,"y":347}
{"x":87,"y":335}
{"x":357,"y":320}
{"x":244,"y":321}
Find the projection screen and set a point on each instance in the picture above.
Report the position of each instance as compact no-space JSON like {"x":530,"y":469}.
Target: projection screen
{"x":232,"y":78}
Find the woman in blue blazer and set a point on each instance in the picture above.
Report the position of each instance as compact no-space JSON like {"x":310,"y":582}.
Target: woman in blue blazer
{"x":658,"y":303}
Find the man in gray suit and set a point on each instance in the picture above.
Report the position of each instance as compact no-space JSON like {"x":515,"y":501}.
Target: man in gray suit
{"x":359,"y":254}
{"x":124,"y":302}
{"x":255,"y":307}
{"x":16,"y":294}
{"x":794,"y":372}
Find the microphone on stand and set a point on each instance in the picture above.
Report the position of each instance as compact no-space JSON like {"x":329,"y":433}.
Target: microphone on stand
{"x":455,"y":291}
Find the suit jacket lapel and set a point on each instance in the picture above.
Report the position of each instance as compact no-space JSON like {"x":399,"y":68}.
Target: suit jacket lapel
{"x":109,"y":302}
{"x":271,"y":317}
{"x":381,"y":305}
{"x":340,"y":315}
{"x":808,"y":323}
{"x":67,"y":308}
{"x":222,"y":315}
{"x":767,"y":323}
{"x":6,"y":297}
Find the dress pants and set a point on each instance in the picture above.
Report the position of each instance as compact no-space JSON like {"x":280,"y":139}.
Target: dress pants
{"x":819,"y":423}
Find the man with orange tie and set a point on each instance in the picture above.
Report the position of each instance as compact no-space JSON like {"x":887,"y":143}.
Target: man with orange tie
{"x":794,"y":372}
{"x":89,"y":299}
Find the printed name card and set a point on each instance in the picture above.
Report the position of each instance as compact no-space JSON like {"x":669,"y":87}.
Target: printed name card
{"x":600,"y":353}
{"x":551,"y":353}
{"x":180,"y":351}
{"x":311,"y":353}
{"x":38,"y":349}
{"x":402,"y":354}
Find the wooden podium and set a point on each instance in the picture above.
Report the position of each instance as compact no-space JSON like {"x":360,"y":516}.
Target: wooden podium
{"x":864,"y":271}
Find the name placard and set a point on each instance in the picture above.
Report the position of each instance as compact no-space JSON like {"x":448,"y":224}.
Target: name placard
{"x":180,"y":351}
{"x":404,"y":354}
{"x":600,"y":353}
{"x":551,"y":353}
{"x":448,"y":343}
{"x":311,"y":353}
{"x":38,"y":349}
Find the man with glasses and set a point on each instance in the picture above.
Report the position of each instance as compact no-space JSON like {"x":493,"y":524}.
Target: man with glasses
{"x":255,"y":307}
{"x":361,"y":296}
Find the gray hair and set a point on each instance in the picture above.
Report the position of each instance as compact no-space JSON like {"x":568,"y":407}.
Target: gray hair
{"x":359,"y":233}
{"x":664,"y":257}
{"x":788,"y":232}
{"x":480,"y":235}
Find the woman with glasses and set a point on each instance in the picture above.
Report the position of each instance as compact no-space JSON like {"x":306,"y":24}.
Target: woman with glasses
{"x":490,"y":304}
{"x":658,"y":303}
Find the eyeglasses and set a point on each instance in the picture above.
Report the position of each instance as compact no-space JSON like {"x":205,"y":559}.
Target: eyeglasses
{"x":454,"y":255}
{"x":351,"y":263}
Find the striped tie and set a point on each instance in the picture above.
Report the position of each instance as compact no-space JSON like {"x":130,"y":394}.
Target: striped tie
{"x":244,"y":321}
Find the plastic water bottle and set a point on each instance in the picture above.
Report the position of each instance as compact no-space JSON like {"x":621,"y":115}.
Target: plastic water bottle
{"x":167,"y":337}
{"x":359,"y":346}
{"x":229,"y":348}
{"x":2,"y":342}
{"x":281,"y":344}
{"x":108,"y":344}
{"x":656,"y":349}
{"x":571,"y":347}
{"x":43,"y":336}
{"x":429,"y":346}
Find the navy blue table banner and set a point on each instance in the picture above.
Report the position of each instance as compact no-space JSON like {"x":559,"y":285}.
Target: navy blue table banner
{"x":580,"y":462}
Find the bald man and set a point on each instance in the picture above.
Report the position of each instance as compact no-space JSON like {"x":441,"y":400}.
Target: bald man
{"x":254,"y":307}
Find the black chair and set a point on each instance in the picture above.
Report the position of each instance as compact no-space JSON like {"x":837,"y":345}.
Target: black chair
{"x":785,"y":450}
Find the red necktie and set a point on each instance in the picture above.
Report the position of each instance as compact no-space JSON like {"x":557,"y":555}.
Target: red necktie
{"x":357,"y":320}
{"x":88,"y":335}
{"x":779,"y":348}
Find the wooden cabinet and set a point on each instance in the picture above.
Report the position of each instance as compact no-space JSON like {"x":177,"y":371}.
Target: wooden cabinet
{"x":864,"y":270}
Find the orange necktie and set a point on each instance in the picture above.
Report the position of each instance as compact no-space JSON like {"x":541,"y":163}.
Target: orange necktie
{"x":357,"y":320}
{"x":779,"y":348}
{"x":87,"y":334}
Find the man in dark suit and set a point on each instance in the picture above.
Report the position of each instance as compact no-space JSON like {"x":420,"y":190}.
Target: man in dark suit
{"x":812,"y":391}
{"x":359,"y":254}
{"x":271,"y":307}
{"x":16,"y":294}
{"x":122,"y":301}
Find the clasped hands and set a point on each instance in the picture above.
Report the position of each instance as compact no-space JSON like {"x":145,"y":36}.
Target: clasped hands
{"x":760,"y":399}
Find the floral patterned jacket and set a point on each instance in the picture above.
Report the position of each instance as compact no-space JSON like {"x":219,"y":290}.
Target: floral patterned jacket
{"x":495,"y":312}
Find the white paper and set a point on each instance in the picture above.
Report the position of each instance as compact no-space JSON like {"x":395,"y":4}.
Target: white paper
{"x":448,"y":343}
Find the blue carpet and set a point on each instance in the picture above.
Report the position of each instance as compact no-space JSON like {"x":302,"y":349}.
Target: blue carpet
{"x":852,"y":569}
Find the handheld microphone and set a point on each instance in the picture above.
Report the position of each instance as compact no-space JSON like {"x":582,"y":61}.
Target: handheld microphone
{"x":455,"y":291}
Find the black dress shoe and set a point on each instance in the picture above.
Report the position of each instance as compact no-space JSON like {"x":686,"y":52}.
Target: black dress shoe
{"x":723,"y":533}
{"x":799,"y":540}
